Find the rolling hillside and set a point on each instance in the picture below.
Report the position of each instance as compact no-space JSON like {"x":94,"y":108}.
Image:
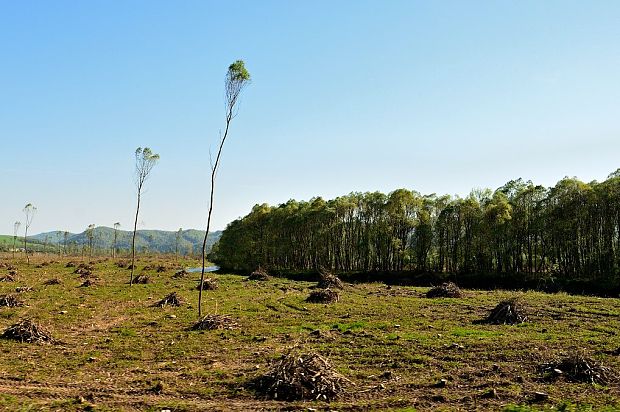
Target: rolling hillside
{"x":161,"y":241}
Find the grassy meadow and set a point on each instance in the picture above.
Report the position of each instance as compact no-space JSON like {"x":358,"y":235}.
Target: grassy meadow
{"x":401,"y":350}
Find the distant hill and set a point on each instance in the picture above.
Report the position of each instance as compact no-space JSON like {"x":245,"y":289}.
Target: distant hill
{"x":6,"y":244}
{"x":160,"y":241}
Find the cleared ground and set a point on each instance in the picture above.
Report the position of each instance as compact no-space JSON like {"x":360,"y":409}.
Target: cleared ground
{"x":118,"y":352}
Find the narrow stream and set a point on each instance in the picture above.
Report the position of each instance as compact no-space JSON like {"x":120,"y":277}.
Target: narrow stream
{"x":207,"y":269}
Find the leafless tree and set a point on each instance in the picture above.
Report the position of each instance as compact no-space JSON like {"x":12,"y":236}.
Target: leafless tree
{"x":90,"y":234}
{"x":29,"y":211}
{"x":117,"y":225}
{"x":16,"y":227}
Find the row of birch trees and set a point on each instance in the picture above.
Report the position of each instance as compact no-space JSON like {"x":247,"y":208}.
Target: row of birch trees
{"x":571,"y":229}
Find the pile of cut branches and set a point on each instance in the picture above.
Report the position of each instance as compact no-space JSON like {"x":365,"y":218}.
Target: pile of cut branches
{"x":10,"y":301}
{"x":180,"y":274}
{"x":323,"y":296}
{"x":208,"y":284}
{"x":213,"y":322}
{"x":27,"y":331}
{"x":577,"y":367}
{"x":306,"y":376}
{"x":142,"y":279}
{"x":507,"y":312}
{"x":82,"y":272}
{"x":170,"y":300}
{"x":445,"y":290}
{"x":259,"y":274}
{"x":328,"y":280}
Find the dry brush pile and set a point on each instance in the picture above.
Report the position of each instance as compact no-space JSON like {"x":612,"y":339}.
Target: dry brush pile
{"x":323,"y":296}
{"x":28,"y":331}
{"x":142,"y":279}
{"x":214,"y":322}
{"x":10,"y":301}
{"x":302,"y":377}
{"x":208,"y":284}
{"x":577,"y":367}
{"x":445,"y":290}
{"x":180,"y":274}
{"x":259,"y":274}
{"x":170,"y":300}
{"x":507,"y":312}
{"x":328,"y":280}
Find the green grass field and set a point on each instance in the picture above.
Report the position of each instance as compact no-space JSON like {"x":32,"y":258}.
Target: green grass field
{"x":118,"y":352}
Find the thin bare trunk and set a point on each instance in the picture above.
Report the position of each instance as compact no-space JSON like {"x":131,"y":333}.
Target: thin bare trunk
{"x":133,"y":239}
{"x":26,"y":245}
{"x":229,"y":117}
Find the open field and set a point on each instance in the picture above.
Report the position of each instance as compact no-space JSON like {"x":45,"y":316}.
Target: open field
{"x":115,"y":351}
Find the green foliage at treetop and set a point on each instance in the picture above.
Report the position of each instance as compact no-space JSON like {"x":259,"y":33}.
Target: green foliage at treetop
{"x":238,"y":72}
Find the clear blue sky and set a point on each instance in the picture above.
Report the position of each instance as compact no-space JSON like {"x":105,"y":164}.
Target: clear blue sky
{"x":436,"y":96}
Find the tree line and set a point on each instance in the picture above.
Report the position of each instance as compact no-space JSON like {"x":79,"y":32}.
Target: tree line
{"x":570,"y":230}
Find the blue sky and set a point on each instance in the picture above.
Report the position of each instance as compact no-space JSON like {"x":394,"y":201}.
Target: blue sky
{"x":346,"y":96}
